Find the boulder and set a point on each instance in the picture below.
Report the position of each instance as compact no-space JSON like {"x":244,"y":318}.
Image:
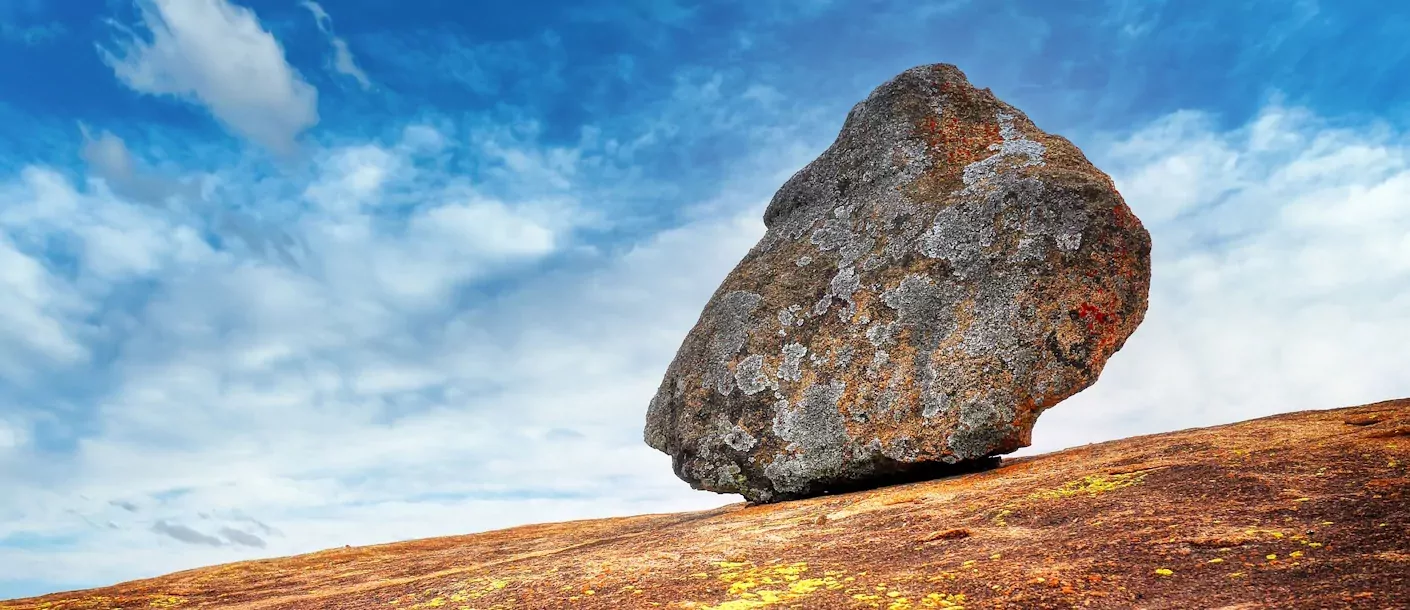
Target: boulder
{"x":938,"y":277}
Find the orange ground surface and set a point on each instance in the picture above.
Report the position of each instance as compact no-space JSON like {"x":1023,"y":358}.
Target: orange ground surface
{"x":1304,"y":510}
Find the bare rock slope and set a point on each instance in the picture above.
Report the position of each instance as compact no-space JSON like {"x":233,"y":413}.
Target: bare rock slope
{"x":1304,"y":510}
{"x":938,"y":277}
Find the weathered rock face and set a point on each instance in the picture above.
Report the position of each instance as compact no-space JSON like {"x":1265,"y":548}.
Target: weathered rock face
{"x":943,"y":273}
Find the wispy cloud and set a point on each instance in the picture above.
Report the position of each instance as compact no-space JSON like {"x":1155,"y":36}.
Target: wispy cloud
{"x":184,"y":534}
{"x":189,"y":55}
{"x":343,"y":62}
{"x":242,"y":538}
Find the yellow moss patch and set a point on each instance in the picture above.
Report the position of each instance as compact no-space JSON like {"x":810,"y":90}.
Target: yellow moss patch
{"x":465,"y":591}
{"x":943,"y":600}
{"x":166,"y":601}
{"x":749,"y":585}
{"x":1090,"y":485}
{"x":755,"y":586}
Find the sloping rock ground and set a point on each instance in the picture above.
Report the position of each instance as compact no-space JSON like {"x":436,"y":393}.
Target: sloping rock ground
{"x":1304,"y":510}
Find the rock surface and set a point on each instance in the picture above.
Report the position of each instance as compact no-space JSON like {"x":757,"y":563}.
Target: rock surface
{"x":1305,"y":510}
{"x":931,"y":283}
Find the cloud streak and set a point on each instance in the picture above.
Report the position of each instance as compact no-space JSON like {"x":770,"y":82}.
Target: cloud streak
{"x":242,"y":538}
{"x":185,"y":534}
{"x":343,"y":62}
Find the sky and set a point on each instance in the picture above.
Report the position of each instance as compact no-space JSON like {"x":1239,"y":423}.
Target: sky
{"x":279,"y":276}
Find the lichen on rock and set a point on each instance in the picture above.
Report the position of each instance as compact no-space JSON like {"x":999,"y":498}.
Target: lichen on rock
{"x":931,"y":283}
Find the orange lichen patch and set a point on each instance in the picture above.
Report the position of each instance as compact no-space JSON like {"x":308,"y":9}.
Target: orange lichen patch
{"x":960,"y":141}
{"x":1090,"y":527}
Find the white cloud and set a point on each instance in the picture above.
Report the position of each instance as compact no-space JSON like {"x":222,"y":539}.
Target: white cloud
{"x":110,"y":237}
{"x":11,"y":437}
{"x":343,"y":62}
{"x":351,"y":178}
{"x":454,"y":233}
{"x":218,"y":55}
{"x":38,"y":315}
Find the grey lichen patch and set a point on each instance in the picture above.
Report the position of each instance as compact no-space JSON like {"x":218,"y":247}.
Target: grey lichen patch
{"x":925,"y":306}
{"x":998,"y":311}
{"x":728,"y":475}
{"x":844,"y":285}
{"x":983,"y":426}
{"x":791,"y":369}
{"x":961,"y":235}
{"x":901,"y":449}
{"x":655,"y":433}
{"x":832,"y":235}
{"x":789,"y":317}
{"x":817,"y":435}
{"x":740,"y":439}
{"x":886,"y":402}
{"x":879,"y":359}
{"x":934,"y":404}
{"x":1058,"y":223}
{"x":751,"y":377}
{"x":731,"y":320}
{"x":804,"y":261}
{"x":844,"y":356}
{"x":880,"y":334}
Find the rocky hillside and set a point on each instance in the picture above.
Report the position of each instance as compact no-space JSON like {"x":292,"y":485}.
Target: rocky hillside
{"x":1305,"y":510}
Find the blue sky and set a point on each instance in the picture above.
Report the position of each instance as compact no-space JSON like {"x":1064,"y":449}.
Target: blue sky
{"x":277,"y":276}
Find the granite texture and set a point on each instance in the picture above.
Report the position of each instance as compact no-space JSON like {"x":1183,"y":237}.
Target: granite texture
{"x":930,"y":284}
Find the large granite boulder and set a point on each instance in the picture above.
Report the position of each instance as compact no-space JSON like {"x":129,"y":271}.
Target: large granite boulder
{"x":943,"y":273}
